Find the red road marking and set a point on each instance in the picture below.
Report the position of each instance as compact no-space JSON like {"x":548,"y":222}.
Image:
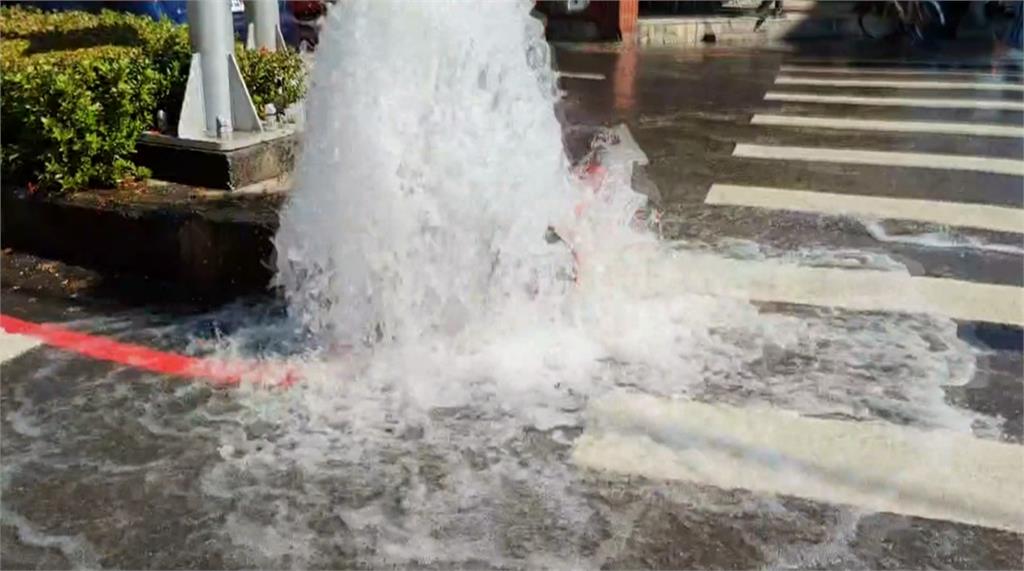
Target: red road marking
{"x":223,"y":373}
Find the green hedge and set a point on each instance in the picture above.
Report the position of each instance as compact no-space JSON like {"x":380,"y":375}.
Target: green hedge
{"x":78,"y":88}
{"x":272,"y":77}
{"x":72,"y":120}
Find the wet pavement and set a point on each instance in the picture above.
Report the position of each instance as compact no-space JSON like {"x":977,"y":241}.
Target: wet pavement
{"x":687,"y":110}
{"x":108,"y":466}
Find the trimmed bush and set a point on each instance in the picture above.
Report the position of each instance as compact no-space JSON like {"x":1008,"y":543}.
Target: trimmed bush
{"x":71,"y":119}
{"x":272,"y":77}
{"x":78,"y":89}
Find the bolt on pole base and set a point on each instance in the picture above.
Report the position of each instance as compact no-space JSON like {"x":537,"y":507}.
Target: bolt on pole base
{"x":241,"y":114}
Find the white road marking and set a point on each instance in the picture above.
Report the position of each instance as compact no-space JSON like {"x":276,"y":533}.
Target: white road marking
{"x":1013,"y":78}
{"x":999,"y":218}
{"x":581,"y":75}
{"x":981,"y":63}
{"x":12,"y":345}
{"x":898,"y":84}
{"x":878,"y":466}
{"x":937,"y":127}
{"x":882,"y":158}
{"x":877,"y":230}
{"x":649,"y":271}
{"x":926,"y":102}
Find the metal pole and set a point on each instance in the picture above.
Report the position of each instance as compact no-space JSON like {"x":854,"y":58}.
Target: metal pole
{"x":216,"y":100}
{"x":264,"y":24}
{"x":210,"y":19}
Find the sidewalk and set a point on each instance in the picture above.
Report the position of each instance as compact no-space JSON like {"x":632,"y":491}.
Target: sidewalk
{"x":694,"y":31}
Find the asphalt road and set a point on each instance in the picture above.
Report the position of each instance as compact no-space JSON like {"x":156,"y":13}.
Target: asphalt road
{"x":867,"y":408}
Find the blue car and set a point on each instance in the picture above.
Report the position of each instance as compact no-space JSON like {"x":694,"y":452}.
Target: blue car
{"x":174,"y":10}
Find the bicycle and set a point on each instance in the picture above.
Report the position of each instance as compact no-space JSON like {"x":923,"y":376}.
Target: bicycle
{"x":918,"y":19}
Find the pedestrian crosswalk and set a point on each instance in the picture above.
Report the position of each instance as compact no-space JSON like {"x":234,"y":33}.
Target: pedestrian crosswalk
{"x":881,"y":147}
{"x":873,"y":128}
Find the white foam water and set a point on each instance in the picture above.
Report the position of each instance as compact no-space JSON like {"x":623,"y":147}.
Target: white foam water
{"x":939,"y":239}
{"x":455,"y":344}
{"x":430,"y":175}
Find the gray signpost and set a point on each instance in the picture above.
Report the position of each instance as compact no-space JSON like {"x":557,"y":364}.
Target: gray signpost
{"x":263,"y":18}
{"x":217,"y":102}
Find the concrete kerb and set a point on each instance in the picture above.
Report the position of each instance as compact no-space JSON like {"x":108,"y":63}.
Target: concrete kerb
{"x":243,"y":160}
{"x":211,"y":244}
{"x":694,"y":31}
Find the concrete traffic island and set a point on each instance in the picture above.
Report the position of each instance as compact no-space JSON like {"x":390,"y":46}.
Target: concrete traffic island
{"x":183,"y":226}
{"x":220,"y":134}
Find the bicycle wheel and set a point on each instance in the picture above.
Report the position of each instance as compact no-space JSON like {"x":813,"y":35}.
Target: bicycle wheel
{"x":877,"y":22}
{"x":929,"y":21}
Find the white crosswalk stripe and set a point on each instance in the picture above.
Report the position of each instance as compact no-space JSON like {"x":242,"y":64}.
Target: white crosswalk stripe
{"x":881,"y":158}
{"x":899,"y":84}
{"x":12,"y":345}
{"x":924,"y":102}
{"x":855,"y":290}
{"x":874,"y":465}
{"x":983,"y":216}
{"x":927,"y":102}
{"x":854,"y":124}
{"x":582,"y":75}
{"x":1015,"y":78}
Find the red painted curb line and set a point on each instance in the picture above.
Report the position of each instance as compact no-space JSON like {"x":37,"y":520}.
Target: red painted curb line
{"x":221,"y":373}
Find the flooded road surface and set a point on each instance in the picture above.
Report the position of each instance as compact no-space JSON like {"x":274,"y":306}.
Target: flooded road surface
{"x":778,"y":383}
{"x":107,"y":466}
